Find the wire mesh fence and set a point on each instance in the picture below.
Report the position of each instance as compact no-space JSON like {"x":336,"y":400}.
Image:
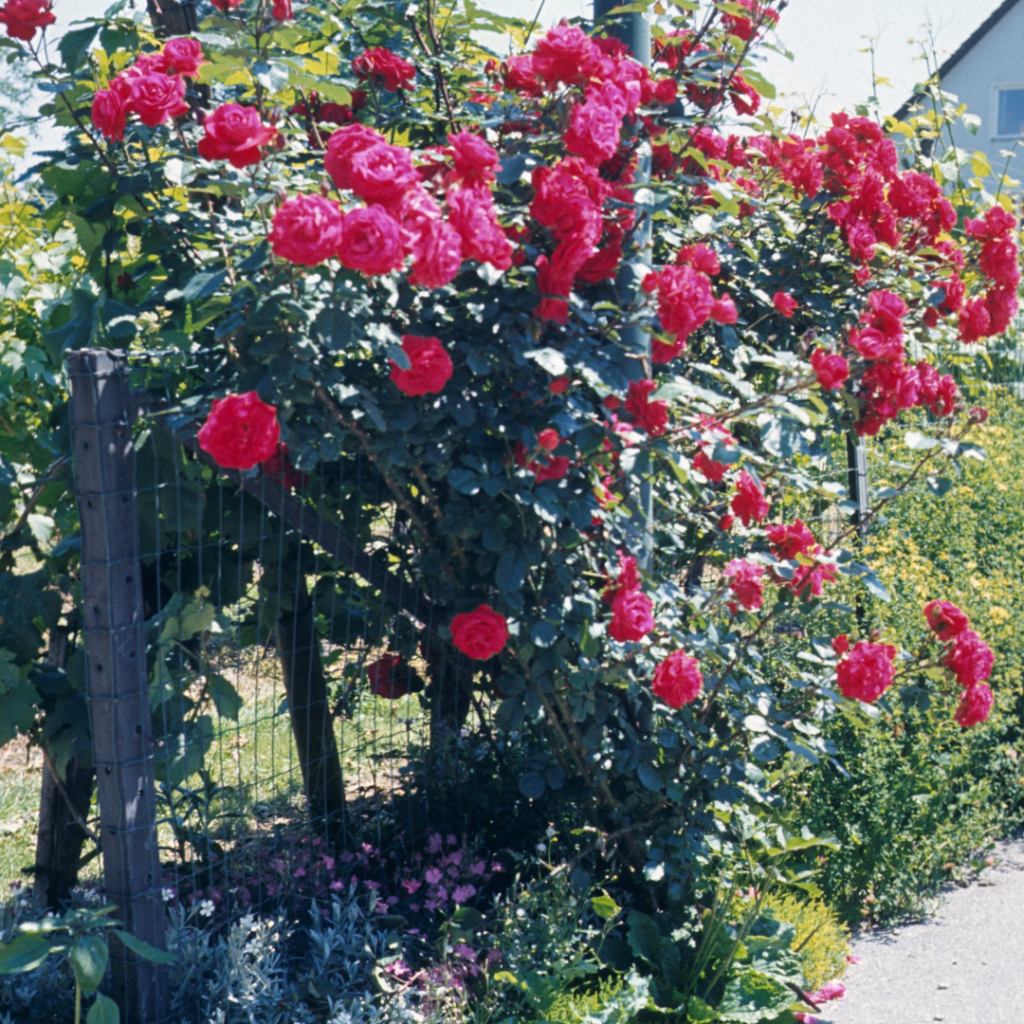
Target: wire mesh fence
{"x":302,"y":722}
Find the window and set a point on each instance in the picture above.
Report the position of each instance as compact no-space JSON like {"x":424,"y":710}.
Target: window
{"x":1010,"y":119}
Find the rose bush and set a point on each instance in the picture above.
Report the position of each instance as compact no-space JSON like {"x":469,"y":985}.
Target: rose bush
{"x":590,"y":344}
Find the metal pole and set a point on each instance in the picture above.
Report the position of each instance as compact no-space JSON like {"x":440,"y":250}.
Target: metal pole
{"x":635,"y":32}
{"x":118,"y":687}
{"x":857,"y":476}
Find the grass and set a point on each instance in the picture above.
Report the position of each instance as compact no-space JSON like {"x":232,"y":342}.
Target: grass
{"x":19,"y":810}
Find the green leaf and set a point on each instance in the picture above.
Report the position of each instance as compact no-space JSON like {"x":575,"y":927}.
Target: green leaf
{"x":511,"y":571}
{"x":103,"y":1011}
{"x":18,"y":700}
{"x":605,"y":907}
{"x":24,"y":953}
{"x":644,"y":938}
{"x":919,"y":442}
{"x":754,"y":997}
{"x":89,"y":956}
{"x":144,"y":949}
{"x":650,"y":778}
{"x":225,"y":697}
{"x":549,"y":359}
{"x":74,"y":45}
{"x":532,"y":785}
{"x":203,"y":285}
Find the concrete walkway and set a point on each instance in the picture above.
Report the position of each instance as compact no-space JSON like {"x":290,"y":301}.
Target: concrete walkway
{"x":963,"y":966}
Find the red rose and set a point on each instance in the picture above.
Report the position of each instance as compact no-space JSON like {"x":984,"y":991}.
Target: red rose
{"x":678,"y":680}
{"x":431,"y":366}
{"x":110,"y":112}
{"x":475,"y":161}
{"x":226,"y":5}
{"x":790,"y":540}
{"x":594,"y":131}
{"x":381,"y":675}
{"x":24,"y":17}
{"x":632,"y":617}
{"x":371,"y":241}
{"x":558,"y":385}
{"x":784,"y":304}
{"x":565,"y":54}
{"x":945,"y":620}
{"x":649,"y":416}
{"x":725,"y":524}
{"x":472,"y":214}
{"x":970,"y":658}
{"x":840,"y":644}
{"x":749,"y":501}
{"x":685,"y":303}
{"x":549,"y":439}
{"x":241,"y":431}
{"x":975,"y":321}
{"x":745,"y":582}
{"x":714,"y":471}
{"x":184,"y":56}
{"x":235,"y":133}
{"x":342,"y":146}
{"x":975,"y":705}
{"x":831,"y":370}
{"x":282,"y":10}
{"x":665,"y":91}
{"x":868,"y":671}
{"x":384,"y":68}
{"x":156,"y":97}
{"x":381,"y":173}
{"x":437,"y":255}
{"x":306,"y":230}
{"x":480,"y":634}
{"x":723,"y":310}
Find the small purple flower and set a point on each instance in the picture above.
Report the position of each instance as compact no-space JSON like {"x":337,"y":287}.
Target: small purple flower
{"x":463,"y":893}
{"x":433,"y":876}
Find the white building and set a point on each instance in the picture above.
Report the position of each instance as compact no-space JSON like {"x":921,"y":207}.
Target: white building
{"x":987,"y":74}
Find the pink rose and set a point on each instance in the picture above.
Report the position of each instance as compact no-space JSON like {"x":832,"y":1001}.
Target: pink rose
{"x":24,"y":17}
{"x":594,"y":132}
{"x":830,"y":369}
{"x":437,"y":255}
{"x":678,"y":680}
{"x":342,"y":146}
{"x":371,"y":241}
{"x":156,"y":97}
{"x":306,"y":230}
{"x":184,"y":57}
{"x":867,"y":672}
{"x":784,"y":303}
{"x":385,"y":68}
{"x":749,"y":502}
{"x":381,"y":173}
{"x":235,"y":133}
{"x":975,"y":705}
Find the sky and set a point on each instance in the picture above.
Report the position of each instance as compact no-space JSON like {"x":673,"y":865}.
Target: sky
{"x":825,"y":36}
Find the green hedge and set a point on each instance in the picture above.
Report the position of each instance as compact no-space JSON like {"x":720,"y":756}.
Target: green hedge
{"x":923,"y":795}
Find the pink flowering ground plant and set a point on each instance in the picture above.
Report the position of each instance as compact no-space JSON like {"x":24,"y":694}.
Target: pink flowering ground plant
{"x":591,"y":341}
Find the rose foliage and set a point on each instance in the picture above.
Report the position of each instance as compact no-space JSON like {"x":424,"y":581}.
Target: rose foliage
{"x":534,"y":298}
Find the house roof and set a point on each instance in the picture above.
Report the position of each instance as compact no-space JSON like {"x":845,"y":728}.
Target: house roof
{"x":965,"y":48}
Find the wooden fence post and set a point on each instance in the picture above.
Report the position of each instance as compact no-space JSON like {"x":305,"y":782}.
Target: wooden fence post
{"x":118,"y":685}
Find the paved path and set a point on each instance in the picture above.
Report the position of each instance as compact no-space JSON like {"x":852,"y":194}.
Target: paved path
{"x":963,"y":966}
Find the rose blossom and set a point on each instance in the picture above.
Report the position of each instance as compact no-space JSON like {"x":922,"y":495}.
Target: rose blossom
{"x":593,"y":132}
{"x":371,"y":241}
{"x":385,"y":68}
{"x":745,"y":583}
{"x":970,"y":658}
{"x":24,"y":17}
{"x":156,"y":97}
{"x":975,"y":705}
{"x":437,"y":255}
{"x":784,"y":303}
{"x":110,"y":111}
{"x":480,"y":634}
{"x":431,"y":366}
{"x":749,"y":502}
{"x":306,"y":230}
{"x":381,"y":173}
{"x":241,"y":431}
{"x":840,"y":644}
{"x":830,"y":369}
{"x":381,"y":675}
{"x":472,"y":214}
{"x":649,"y":416}
{"x":631,"y":616}
{"x":342,"y":146}
{"x":945,"y":620}
{"x":867,"y":672}
{"x":678,"y":680}
{"x":234,"y":133}
{"x":184,"y":56}
{"x":565,"y":54}
{"x":282,"y":10}
{"x":475,"y":160}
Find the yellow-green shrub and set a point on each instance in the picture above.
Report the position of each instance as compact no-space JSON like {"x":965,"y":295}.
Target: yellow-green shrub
{"x":822,"y":940}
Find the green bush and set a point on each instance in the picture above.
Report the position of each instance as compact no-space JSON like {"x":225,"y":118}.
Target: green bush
{"x":822,"y":940}
{"x":921,"y":794}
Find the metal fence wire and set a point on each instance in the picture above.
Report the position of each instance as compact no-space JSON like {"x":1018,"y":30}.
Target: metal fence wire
{"x":257,"y":653}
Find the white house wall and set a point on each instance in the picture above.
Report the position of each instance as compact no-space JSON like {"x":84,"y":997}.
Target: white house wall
{"x":996,"y":60}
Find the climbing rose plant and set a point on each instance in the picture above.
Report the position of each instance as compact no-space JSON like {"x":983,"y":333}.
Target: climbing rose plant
{"x":589,"y":338}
